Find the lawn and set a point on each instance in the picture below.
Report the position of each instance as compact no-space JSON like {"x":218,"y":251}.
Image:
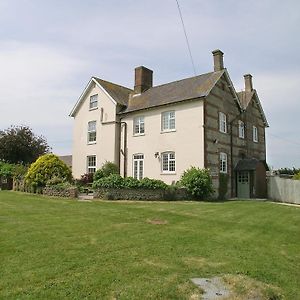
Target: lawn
{"x":56,"y":248}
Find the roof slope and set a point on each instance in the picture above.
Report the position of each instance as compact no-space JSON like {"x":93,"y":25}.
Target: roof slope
{"x":119,"y":93}
{"x":245,"y":98}
{"x":177,"y":91}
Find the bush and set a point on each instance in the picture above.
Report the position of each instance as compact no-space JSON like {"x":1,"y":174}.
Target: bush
{"x":107,"y":169}
{"x":154,"y":184}
{"x":112,"y":181}
{"x":198,"y":182}
{"x":297,"y":176}
{"x":85,"y":179}
{"x":45,"y":168}
{"x":6,"y":169}
{"x":118,"y":182}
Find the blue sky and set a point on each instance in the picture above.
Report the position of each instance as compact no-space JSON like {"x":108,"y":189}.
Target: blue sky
{"x":50,"y":49}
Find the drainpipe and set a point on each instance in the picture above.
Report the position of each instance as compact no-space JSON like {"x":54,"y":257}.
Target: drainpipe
{"x":125,"y":140}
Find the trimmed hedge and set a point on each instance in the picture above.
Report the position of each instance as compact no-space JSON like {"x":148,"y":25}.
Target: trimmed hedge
{"x":118,"y":182}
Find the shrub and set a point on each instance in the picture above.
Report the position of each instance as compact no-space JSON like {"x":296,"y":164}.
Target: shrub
{"x":154,"y":184}
{"x":297,"y":176}
{"x":198,"y":182}
{"x":45,"y":168}
{"x":107,"y":169}
{"x":85,"y":179}
{"x":112,"y":181}
{"x":131,"y":183}
{"x":6,"y":169}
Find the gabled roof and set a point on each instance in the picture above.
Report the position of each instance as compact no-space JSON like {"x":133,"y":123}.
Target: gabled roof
{"x":177,"y":91}
{"x":118,"y":94}
{"x":246,"y":97}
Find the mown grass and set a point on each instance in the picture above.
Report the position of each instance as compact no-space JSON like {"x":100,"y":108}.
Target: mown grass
{"x":55,"y":249}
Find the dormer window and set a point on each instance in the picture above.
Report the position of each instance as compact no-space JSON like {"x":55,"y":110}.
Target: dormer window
{"x":93,"y":101}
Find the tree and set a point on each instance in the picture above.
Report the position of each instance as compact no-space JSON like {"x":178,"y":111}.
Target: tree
{"x":18,"y":144}
{"x":47,"y":167}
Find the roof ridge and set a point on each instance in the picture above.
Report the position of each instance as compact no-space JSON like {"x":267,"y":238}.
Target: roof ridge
{"x":183,"y":79}
{"x":124,"y":87}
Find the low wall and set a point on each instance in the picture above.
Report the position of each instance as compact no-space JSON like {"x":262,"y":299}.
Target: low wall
{"x":71,"y":192}
{"x":140,"y":194}
{"x":284,"y":190}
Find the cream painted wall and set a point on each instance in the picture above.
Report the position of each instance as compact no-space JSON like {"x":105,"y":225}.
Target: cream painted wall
{"x":187,"y":141}
{"x":105,"y":147}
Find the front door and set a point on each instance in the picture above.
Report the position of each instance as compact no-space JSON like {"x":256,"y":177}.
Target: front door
{"x":243,"y":184}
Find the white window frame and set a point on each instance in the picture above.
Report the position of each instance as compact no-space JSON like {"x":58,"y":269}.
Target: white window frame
{"x":255,"y":134}
{"x":138,"y":165}
{"x":241,"y":129}
{"x":93,"y":102}
{"x":139,"y":125}
{"x":168,"y":121}
{"x":91,"y":163}
{"x":168,"y":162}
{"x":222,"y":122}
{"x":92,"y":132}
{"x":223,"y":162}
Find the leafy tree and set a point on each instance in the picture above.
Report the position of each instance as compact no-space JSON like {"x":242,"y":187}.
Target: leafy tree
{"x":198,"y":182}
{"x":18,"y":144}
{"x":45,"y":169}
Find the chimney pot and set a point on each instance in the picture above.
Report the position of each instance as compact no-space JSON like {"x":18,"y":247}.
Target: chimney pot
{"x":143,"y":79}
{"x":248,"y":83}
{"x":218,"y":60}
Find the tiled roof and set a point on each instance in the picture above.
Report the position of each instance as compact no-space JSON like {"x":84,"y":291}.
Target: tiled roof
{"x":177,"y":91}
{"x":245,"y":98}
{"x":119,"y":93}
{"x":67,"y":159}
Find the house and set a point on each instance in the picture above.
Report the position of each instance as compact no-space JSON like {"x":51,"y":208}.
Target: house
{"x":160,"y":131}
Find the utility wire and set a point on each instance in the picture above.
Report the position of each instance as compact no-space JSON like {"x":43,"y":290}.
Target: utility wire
{"x":186,"y":38}
{"x":284,"y":139}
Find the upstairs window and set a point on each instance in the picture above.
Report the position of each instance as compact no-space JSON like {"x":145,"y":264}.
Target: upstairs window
{"x":168,"y":162}
{"x":92,"y":133}
{"x":93,"y":101}
{"x":168,"y":121}
{"x":91,"y":163}
{"x":255,"y":134}
{"x":138,"y":126}
{"x":223,"y":162}
{"x":222,"y":122}
{"x":241,"y":129}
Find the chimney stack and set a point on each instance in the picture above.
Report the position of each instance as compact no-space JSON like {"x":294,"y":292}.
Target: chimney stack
{"x":143,"y":79}
{"x":218,"y":60}
{"x":248,"y":83}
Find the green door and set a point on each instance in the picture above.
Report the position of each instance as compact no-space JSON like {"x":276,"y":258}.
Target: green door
{"x":243,"y":184}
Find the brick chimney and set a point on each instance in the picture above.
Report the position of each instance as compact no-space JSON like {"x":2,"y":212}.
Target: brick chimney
{"x":218,"y":60}
{"x":143,"y":79}
{"x":248,"y":83}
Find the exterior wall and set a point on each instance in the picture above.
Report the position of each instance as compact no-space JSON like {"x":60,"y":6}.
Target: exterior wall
{"x":222,"y":100}
{"x":187,"y":141}
{"x":106,"y":147}
{"x":284,"y":190}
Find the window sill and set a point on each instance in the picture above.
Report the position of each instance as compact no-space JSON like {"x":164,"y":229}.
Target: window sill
{"x":94,"y":108}
{"x":91,"y":143}
{"x":168,"y":131}
{"x":223,"y":132}
{"x":168,"y":173}
{"x":138,"y":134}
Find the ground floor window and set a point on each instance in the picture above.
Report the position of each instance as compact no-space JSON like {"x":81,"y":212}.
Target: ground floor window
{"x":91,"y":164}
{"x":138,"y":166}
{"x":168,"y":162}
{"x":223,"y":162}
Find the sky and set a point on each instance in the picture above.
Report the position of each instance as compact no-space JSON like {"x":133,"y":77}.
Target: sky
{"x":50,"y":49}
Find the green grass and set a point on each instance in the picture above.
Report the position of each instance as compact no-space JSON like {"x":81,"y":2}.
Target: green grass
{"x":56,"y":248}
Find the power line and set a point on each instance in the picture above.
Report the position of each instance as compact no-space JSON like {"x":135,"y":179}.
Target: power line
{"x":284,"y":139}
{"x":186,"y":38}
